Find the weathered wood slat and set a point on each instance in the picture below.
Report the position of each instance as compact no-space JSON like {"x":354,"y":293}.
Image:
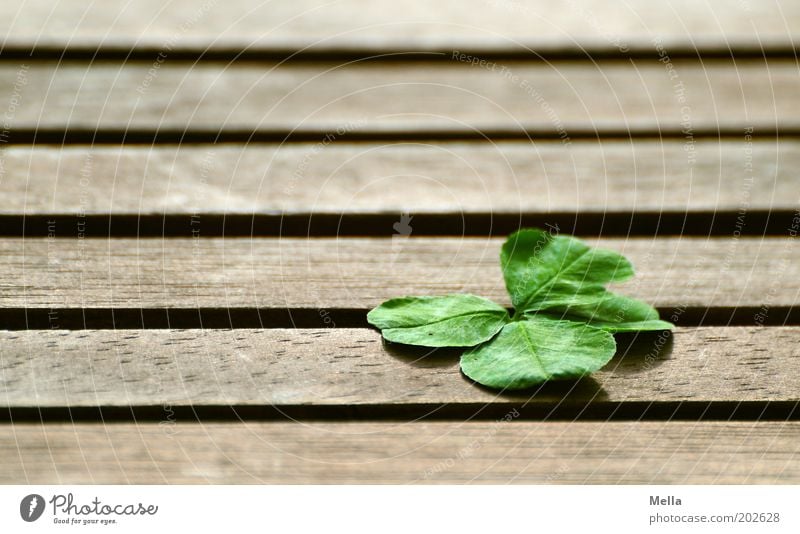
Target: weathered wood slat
{"x":433,"y":452}
{"x":352,"y":368}
{"x":335,"y":367}
{"x":362,"y":272}
{"x":414,"y":25}
{"x":554,"y":98}
{"x":507,"y":177}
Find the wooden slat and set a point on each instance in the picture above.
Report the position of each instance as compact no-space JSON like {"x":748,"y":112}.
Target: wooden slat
{"x":412,"y":25}
{"x":555,"y":98}
{"x":334,"y":367}
{"x":554,"y":453}
{"x":508,"y":177}
{"x":360,"y":273}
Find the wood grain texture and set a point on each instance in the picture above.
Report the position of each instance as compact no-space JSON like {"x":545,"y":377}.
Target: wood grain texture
{"x":363,"y":272}
{"x":554,"y":98}
{"x":351,"y":368}
{"x":292,"y":367}
{"x":179,"y":452}
{"x":450,"y":177}
{"x":413,"y":25}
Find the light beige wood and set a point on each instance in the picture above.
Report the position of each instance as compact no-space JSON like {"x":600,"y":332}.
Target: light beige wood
{"x":351,"y":368}
{"x":553,"y":98}
{"x":456,"y":177}
{"x":363,"y":272}
{"x":410,"y":25}
{"x":423,"y":452}
{"x":288,"y":367}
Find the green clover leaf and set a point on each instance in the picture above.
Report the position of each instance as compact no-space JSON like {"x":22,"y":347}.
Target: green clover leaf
{"x":563,"y":321}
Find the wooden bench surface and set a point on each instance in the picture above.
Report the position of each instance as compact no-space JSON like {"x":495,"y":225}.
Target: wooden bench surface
{"x":199,"y":208}
{"x":292,"y":368}
{"x":414,"y":99}
{"x":502,"y":178}
{"x":382,"y":25}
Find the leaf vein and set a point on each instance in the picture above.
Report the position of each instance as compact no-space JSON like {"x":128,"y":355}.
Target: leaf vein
{"x":553,"y":278}
{"x":443,"y":319}
{"x":533,"y":351}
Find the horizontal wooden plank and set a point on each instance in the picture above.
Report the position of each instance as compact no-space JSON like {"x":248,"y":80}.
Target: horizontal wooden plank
{"x":360,"y":273}
{"x":413,"y":25}
{"x":554,"y":98}
{"x":181,"y":452}
{"x":453,"y":177}
{"x":335,"y":367}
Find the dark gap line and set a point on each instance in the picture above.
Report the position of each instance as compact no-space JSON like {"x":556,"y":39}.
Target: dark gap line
{"x":168,"y":136}
{"x":534,"y":53}
{"x":757,"y":223}
{"x":17,"y":318}
{"x":528,"y":411}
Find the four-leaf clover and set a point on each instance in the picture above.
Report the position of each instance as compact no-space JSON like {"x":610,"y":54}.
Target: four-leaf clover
{"x":562,"y":323}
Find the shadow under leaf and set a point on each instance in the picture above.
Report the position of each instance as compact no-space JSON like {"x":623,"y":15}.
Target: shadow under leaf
{"x":640,"y":351}
{"x":424,"y":357}
{"x":585,"y":389}
{"x":636,"y":353}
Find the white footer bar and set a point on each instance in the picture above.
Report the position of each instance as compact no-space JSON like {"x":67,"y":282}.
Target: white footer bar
{"x":401,"y":509}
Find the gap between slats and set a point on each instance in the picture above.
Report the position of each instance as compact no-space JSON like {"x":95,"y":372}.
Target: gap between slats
{"x":722,"y":223}
{"x":563,"y":411}
{"x":410,"y":54}
{"x":234,"y":318}
{"x":167,"y":135}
